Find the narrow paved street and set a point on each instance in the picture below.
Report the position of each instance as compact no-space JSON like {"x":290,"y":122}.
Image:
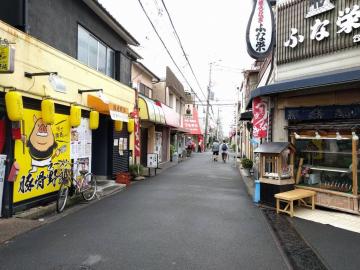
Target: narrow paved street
{"x":196,"y":215}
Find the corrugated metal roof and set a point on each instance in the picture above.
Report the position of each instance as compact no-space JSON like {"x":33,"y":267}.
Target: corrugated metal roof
{"x":273,"y":147}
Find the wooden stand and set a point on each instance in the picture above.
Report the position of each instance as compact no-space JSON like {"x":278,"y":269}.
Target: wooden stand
{"x":290,"y":196}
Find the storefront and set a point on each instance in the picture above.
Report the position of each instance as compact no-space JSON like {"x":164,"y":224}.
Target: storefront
{"x":55,"y":122}
{"x":112,"y":155}
{"x":5,"y":153}
{"x":316,"y":99}
{"x":191,"y":123}
{"x":152,"y":119}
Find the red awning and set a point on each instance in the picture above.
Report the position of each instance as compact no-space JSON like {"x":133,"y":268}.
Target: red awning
{"x":191,"y":122}
{"x":172,"y":118}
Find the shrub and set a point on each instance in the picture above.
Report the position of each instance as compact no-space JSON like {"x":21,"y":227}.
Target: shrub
{"x":172,"y":150}
{"x":233,"y":147}
{"x":247,"y":163}
{"x":136,"y":169}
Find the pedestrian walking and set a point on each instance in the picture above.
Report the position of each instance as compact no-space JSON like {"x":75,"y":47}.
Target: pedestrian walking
{"x":223,"y":149}
{"x":215,"y":149}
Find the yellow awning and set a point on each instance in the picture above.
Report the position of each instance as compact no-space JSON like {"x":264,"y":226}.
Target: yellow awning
{"x":149,"y":111}
{"x":104,"y":106}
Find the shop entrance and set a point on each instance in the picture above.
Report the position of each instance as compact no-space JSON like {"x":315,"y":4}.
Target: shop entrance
{"x":144,"y":146}
{"x":110,"y":149}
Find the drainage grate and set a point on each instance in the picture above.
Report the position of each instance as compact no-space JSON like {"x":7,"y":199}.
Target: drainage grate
{"x":300,"y":255}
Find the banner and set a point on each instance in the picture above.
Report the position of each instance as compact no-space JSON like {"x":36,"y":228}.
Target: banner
{"x":42,"y":145}
{"x":191,"y":120}
{"x":260,"y":107}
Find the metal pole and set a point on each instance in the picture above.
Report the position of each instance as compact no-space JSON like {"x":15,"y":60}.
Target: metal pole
{"x":236,"y":125}
{"x":207,"y":108}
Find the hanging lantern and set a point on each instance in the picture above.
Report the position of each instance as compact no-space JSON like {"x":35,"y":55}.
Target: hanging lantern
{"x":48,"y":111}
{"x":118,"y":126}
{"x":14,"y":106}
{"x":131,"y":125}
{"x":75,"y":116}
{"x":94,"y":120}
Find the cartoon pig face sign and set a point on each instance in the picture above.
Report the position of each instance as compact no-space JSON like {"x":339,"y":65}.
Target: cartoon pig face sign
{"x":41,"y":142}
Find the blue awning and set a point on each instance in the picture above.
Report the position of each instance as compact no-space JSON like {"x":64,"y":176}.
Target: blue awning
{"x":345,"y":77}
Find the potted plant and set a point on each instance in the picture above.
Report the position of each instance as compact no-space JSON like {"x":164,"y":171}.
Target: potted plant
{"x":136,"y":171}
{"x":247,"y":165}
{"x":172,"y":151}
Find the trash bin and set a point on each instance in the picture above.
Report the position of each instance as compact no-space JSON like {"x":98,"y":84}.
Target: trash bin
{"x":257,"y":191}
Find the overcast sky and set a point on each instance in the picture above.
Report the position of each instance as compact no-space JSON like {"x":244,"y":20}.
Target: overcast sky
{"x":209,"y":31}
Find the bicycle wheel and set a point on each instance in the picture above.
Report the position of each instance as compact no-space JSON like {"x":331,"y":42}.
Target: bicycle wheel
{"x":62,"y":197}
{"x":88,"y":189}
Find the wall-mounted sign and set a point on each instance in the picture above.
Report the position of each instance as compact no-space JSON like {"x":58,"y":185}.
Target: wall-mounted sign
{"x":7,"y":58}
{"x":189,"y":110}
{"x":260,"y":30}
{"x":301,"y":37}
{"x":318,"y":6}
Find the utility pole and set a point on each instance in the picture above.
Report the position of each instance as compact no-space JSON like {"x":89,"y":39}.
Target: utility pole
{"x":236,"y":124}
{"x":218,"y":124}
{"x":207,"y":107}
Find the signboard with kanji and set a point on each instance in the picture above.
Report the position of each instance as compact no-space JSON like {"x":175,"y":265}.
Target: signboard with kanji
{"x":310,"y":28}
{"x":260,"y":30}
{"x":6,"y":58}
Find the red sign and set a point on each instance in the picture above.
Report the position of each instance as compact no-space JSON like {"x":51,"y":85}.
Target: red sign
{"x":191,"y":122}
{"x":135,"y":115}
{"x":260,"y":118}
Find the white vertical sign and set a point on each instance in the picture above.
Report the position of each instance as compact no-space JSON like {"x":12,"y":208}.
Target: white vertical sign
{"x":2,"y":178}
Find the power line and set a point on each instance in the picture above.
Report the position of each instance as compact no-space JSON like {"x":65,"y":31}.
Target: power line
{"x":167,"y":50}
{"x":182,"y":48}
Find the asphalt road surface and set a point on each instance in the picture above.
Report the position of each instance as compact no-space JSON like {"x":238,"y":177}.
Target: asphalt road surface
{"x":196,"y":215}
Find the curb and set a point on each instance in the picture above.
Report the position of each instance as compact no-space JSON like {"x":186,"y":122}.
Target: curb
{"x":42,"y":211}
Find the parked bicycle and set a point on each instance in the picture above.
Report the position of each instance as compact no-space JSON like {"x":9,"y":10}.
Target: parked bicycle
{"x":73,"y":182}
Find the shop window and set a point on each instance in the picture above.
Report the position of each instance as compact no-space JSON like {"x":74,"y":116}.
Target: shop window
{"x":94,"y":53}
{"x":110,"y":63}
{"x":327,"y":163}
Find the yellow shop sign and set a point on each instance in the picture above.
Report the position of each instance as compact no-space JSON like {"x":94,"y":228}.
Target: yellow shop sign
{"x":43,"y":145}
{"x":6,"y":58}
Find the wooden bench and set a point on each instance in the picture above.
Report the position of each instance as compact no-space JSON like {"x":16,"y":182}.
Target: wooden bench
{"x":290,"y":196}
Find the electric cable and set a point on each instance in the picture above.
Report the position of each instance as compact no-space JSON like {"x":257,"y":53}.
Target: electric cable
{"x":167,"y":50}
{"x":182,"y":48}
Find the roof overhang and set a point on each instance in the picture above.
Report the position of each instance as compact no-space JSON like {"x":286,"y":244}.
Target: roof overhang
{"x":146,"y":70}
{"x":150,"y":111}
{"x":246,"y":116}
{"x":111,"y":21}
{"x":349,"y":77}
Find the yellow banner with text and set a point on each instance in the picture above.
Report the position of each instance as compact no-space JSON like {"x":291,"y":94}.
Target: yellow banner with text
{"x":41,"y":146}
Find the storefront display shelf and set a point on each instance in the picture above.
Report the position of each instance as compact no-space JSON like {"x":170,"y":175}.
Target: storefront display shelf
{"x":342,"y":201}
{"x":326,"y":152}
{"x":329,"y":169}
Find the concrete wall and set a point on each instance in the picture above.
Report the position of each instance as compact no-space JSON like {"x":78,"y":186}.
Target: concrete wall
{"x":139,"y":76}
{"x":319,"y":65}
{"x":159,"y":92}
{"x":33,"y":55}
{"x":56,"y":23}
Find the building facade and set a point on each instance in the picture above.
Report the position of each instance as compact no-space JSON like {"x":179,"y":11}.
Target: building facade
{"x":315,"y":98}
{"x":55,"y":60}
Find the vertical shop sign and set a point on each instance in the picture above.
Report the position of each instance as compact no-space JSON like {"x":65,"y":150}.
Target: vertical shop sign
{"x":7,"y":58}
{"x":260,"y":31}
{"x":80,"y":146}
{"x":42,"y":146}
{"x":260,"y":117}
